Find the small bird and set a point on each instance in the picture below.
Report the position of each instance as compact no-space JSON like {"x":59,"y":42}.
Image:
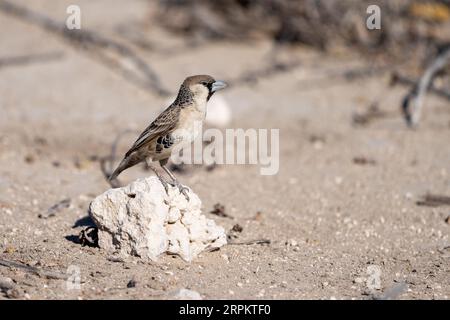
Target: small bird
{"x":176,"y":124}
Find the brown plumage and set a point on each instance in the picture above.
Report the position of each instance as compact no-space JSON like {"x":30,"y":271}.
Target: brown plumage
{"x":173,"y":126}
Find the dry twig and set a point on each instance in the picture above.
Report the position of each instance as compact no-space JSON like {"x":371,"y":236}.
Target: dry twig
{"x":57,"y":207}
{"x":397,"y":78}
{"x":272,"y":69}
{"x":257,"y":241}
{"x":30,"y":58}
{"x":431,"y":200}
{"x":40,"y":272}
{"x":413,"y":101}
{"x":110,"y":52}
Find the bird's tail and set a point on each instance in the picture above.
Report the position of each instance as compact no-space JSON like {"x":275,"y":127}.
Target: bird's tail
{"x":125,"y":164}
{"x":115,"y":174}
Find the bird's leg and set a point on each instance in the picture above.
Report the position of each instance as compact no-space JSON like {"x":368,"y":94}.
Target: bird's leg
{"x":176,"y":183}
{"x":163,"y":182}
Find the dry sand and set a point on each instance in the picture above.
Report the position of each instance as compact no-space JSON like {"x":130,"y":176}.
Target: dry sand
{"x":328,"y":218}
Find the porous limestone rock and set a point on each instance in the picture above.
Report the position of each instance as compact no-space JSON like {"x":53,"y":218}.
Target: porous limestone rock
{"x":141,"y":219}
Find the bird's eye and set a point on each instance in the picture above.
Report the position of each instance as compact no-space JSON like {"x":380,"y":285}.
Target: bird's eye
{"x":204,"y":83}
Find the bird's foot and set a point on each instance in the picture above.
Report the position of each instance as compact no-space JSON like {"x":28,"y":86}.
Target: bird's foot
{"x":184,"y":190}
{"x":165,"y":184}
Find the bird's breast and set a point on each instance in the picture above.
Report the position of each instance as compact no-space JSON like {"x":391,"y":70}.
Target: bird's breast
{"x":189,"y":125}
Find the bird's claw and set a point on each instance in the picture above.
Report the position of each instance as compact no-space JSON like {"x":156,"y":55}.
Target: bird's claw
{"x":166,"y":186}
{"x":184,"y":190}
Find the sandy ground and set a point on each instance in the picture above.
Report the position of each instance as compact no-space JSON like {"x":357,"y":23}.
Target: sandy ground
{"x":328,"y":218}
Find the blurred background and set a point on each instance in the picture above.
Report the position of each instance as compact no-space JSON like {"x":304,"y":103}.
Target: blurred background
{"x":362,"y":178}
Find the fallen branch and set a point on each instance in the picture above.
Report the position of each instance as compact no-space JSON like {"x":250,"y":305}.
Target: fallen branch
{"x":250,"y":242}
{"x":332,"y":77}
{"x":102,"y":47}
{"x":272,"y":69}
{"x":413,"y":101}
{"x":242,"y":243}
{"x":89,"y":237}
{"x":397,"y":78}
{"x":57,"y":207}
{"x":40,"y":272}
{"x":29,"y":59}
{"x":430,"y":200}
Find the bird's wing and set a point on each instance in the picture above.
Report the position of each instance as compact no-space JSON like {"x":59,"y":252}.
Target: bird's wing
{"x":163,"y":124}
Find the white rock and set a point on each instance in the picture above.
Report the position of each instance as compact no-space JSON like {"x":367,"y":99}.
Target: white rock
{"x":141,"y":219}
{"x":6,"y":283}
{"x":186,"y":294}
{"x":292,"y":243}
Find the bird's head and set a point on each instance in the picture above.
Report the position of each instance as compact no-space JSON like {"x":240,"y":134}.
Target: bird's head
{"x":202,"y":87}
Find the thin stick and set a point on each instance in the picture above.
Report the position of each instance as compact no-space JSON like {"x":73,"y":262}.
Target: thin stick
{"x":431,"y":200}
{"x":397,"y":78}
{"x":42,"y":273}
{"x":413,"y":101}
{"x":257,"y":241}
{"x":140,"y":73}
{"x":268,"y":71}
{"x":354,"y":74}
{"x":29,"y":59}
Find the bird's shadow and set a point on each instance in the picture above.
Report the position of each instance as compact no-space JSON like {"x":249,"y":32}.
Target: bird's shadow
{"x":73,"y":238}
{"x":84,"y":222}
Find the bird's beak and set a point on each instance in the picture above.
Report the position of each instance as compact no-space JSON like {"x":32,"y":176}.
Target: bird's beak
{"x":218,"y":85}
